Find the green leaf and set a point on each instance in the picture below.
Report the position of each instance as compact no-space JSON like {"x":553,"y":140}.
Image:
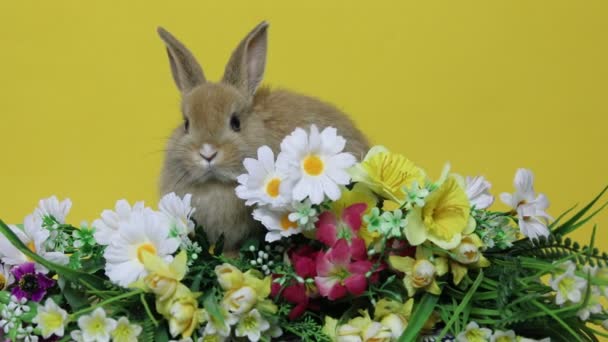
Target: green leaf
{"x":86,"y":279}
{"x":75,"y":298}
{"x":463,"y":304}
{"x":162,"y":334}
{"x":213,"y":308}
{"x":421,"y":314}
{"x":565,"y":227}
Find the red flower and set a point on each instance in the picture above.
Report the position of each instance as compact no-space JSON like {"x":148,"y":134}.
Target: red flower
{"x":329,"y":230}
{"x":338,"y":274}
{"x":300,"y":294}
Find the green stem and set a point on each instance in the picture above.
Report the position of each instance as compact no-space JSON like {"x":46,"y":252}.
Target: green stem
{"x":559,"y":320}
{"x":142,"y":297}
{"x":105,"y":302}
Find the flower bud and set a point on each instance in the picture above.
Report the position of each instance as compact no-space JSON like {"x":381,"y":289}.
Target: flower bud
{"x":161,"y":286}
{"x":240,"y":301}
{"x":377,"y":332}
{"x":395,"y":324}
{"x":184,"y":316}
{"x":466,"y":253}
{"x":423,"y":273}
{"x":228,"y":276}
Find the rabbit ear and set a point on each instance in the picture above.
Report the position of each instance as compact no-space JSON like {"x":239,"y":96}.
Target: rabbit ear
{"x":186,"y":71}
{"x":245,"y":69}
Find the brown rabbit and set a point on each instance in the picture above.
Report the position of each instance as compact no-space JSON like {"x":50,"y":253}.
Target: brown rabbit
{"x":226,"y":122}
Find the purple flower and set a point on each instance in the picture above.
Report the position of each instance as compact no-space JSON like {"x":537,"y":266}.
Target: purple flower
{"x":30,"y":284}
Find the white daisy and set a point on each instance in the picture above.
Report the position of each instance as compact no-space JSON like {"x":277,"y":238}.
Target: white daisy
{"x":125,"y":331}
{"x":263,"y":183}
{"x":530,"y":208}
{"x":478,"y":191}
{"x":34,"y":237}
{"x":252,"y":325}
{"x":51,"y":319}
{"x":96,"y":326}
{"x":145,"y":231}
{"x":315,"y":163}
{"x":107,"y":226}
{"x":178,"y":211}
{"x":6,"y":277}
{"x":277,"y":222}
{"x":51,"y":207}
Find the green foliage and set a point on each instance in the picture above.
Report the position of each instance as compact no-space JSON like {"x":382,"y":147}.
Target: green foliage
{"x":422,"y":312}
{"x":555,"y":247}
{"x":307,"y":330}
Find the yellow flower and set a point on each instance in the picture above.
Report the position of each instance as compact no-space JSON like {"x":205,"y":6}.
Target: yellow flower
{"x":240,"y":301}
{"x":162,"y":279}
{"x":387,"y":173}
{"x":420,"y":273}
{"x":443,"y":219}
{"x":229,"y":276}
{"x":183,"y":313}
{"x":467,"y":255}
{"x":386,"y":307}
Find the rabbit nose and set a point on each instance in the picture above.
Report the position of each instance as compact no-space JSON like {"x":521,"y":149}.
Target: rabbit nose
{"x":208,"y":152}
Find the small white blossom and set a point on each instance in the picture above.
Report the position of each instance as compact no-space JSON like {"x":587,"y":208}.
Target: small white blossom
{"x":96,"y":326}
{"x":125,"y":331}
{"x":478,"y":192}
{"x":568,"y":286}
{"x":304,"y":215}
{"x":51,"y":319}
{"x":415,"y":195}
{"x":178,"y":211}
{"x":503,"y":336}
{"x":531,"y":209}
{"x":252,"y":325}
{"x":474,"y":333}
{"x":51,"y":207}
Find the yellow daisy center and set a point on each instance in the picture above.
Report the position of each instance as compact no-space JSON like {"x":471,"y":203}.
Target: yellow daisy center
{"x":272,"y":187}
{"x":287,"y":224}
{"x":2,"y":281}
{"x":313,"y":165}
{"x":32,"y":247}
{"x":147,"y":247}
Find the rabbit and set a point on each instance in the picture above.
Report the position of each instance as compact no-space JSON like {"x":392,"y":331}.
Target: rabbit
{"x":226,"y":122}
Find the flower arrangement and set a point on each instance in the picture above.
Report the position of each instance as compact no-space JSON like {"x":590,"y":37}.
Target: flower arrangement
{"x":375,"y":250}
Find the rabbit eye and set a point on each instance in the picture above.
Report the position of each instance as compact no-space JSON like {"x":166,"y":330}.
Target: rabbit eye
{"x":235,"y":123}
{"x":186,"y":125}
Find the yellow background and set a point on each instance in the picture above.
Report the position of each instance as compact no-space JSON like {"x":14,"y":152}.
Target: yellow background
{"x":87,"y":100}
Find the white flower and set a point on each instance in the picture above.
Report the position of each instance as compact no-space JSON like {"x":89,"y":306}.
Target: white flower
{"x":178,"y":211}
{"x":125,"y":331}
{"x":503,"y":336}
{"x":76,"y":335}
{"x":315,"y":163}
{"x":96,"y":326}
{"x":474,"y":333}
{"x":530,"y":208}
{"x":375,"y":331}
{"x":145,"y":231}
{"x":240,"y":301}
{"x":107,"y":227}
{"x":6,"y":277}
{"x":304,"y":214}
{"x":568,"y":286}
{"x":395,"y":324}
{"x":251,"y":325}
{"x":478,"y":191}
{"x":215,"y":327}
{"x":211,"y":338}
{"x":277,"y":222}
{"x":51,"y":319}
{"x":26,"y":334}
{"x":415,"y":195}
{"x":51,"y":207}
{"x":263,"y":183}
{"x":34,"y":237}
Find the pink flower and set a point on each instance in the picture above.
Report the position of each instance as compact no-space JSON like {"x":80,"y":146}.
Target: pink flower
{"x":329,"y":230}
{"x":300,"y":294}
{"x":338,"y":274}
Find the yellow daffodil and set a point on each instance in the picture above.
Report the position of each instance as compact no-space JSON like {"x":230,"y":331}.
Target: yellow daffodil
{"x":467,"y":255}
{"x":386,"y":173}
{"x":420,"y":273}
{"x":163,"y":278}
{"x":443,"y":219}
